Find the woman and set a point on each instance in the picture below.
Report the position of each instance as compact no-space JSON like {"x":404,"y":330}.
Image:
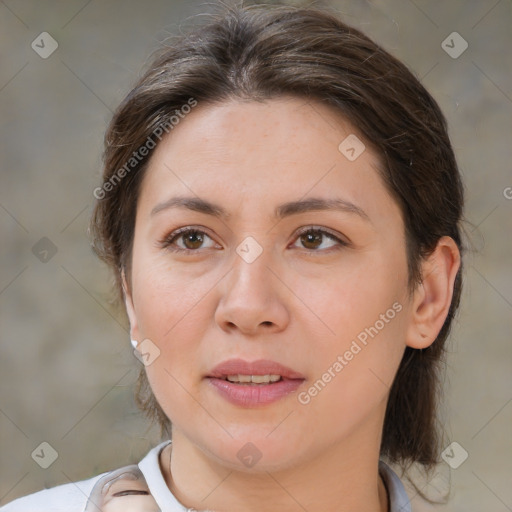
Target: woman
{"x":281,"y":208}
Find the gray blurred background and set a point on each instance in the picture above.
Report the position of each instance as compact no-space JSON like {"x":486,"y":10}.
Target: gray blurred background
{"x":67,"y":369}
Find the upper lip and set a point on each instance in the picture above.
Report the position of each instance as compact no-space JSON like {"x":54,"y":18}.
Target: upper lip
{"x":259,"y":367}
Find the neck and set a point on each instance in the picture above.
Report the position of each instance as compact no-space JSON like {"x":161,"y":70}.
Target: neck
{"x":343,"y":478}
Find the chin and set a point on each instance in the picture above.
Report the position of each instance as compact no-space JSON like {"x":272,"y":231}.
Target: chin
{"x":256,"y":452}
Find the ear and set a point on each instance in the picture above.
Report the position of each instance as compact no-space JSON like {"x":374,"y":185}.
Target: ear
{"x":432,"y":297}
{"x":130,"y":309}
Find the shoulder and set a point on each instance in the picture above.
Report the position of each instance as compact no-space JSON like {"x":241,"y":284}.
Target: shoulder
{"x":90,"y":495}
{"x":70,"y":497}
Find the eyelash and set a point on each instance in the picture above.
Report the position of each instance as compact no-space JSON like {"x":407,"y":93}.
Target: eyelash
{"x":167,"y":242}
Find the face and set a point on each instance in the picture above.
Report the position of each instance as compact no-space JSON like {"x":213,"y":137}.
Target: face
{"x":321,"y":292}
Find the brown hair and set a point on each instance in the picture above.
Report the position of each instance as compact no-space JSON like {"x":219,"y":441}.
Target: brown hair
{"x":261,"y":52}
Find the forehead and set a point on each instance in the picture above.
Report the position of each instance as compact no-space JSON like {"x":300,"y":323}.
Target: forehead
{"x":272,"y":151}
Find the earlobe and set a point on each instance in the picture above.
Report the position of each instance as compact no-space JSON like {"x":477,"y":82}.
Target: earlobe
{"x":432,"y":297}
{"x":130,"y":309}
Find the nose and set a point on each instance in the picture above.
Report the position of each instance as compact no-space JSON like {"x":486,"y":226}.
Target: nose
{"x":253,"y":298}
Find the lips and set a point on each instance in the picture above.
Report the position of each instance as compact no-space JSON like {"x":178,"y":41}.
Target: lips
{"x":251,"y":384}
{"x":260,"y":367}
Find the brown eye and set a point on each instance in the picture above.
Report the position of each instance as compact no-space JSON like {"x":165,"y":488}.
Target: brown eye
{"x":314,"y":238}
{"x":192,"y":239}
{"x":311,"y":238}
{"x":187,"y":240}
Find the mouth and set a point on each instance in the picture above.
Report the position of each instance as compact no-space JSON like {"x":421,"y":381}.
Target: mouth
{"x":260,"y":371}
{"x":253,"y":379}
{"x":250,"y":384}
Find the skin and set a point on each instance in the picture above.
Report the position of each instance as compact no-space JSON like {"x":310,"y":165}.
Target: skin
{"x":300,"y":303}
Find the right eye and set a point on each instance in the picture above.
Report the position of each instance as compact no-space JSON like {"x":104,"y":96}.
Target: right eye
{"x":188,"y":236}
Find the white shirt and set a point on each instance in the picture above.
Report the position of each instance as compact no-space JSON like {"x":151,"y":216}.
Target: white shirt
{"x":73,"y":497}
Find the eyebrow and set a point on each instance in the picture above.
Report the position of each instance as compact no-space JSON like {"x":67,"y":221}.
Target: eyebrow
{"x":284,"y":210}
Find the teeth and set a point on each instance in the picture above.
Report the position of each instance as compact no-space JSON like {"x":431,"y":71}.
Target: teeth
{"x":254,"y":379}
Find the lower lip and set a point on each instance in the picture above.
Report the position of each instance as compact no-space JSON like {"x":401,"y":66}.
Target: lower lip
{"x":250,"y":395}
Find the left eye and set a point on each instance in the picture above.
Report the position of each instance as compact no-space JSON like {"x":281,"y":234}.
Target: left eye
{"x":315,"y":235}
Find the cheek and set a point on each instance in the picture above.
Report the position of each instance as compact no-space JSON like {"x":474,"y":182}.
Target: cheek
{"x":352,"y":376}
{"x":171,"y":309}
{"x":166,"y":299}
{"x":346,"y":299}
{"x":355,"y":359}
